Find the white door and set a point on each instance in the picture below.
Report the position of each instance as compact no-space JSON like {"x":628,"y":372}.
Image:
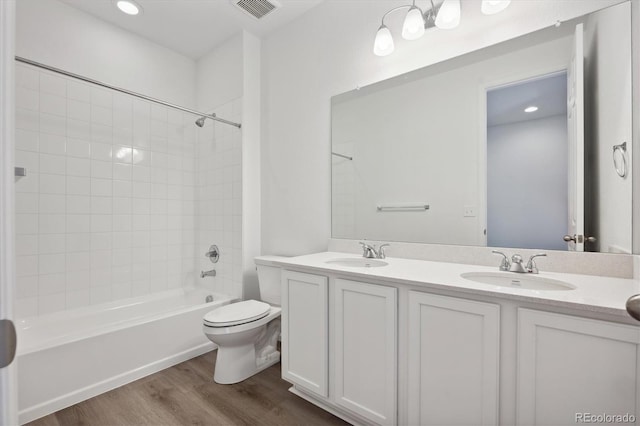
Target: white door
{"x":305,"y":351}
{"x":575,"y":117}
{"x":571,"y":367}
{"x":454,"y":351}
{"x":8,"y":386}
{"x":365,"y":349}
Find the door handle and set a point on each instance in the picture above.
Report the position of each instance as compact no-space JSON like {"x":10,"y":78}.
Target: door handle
{"x":8,"y":342}
{"x":579,"y":238}
{"x":633,"y":306}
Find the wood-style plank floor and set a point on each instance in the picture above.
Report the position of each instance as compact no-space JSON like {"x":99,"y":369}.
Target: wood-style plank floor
{"x":186,"y":394}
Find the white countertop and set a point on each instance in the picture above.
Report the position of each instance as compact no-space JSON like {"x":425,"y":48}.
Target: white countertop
{"x":592,"y":293}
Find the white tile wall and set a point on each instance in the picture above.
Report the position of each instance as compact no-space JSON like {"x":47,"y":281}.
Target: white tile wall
{"x":107,"y":209}
{"x":219,"y":200}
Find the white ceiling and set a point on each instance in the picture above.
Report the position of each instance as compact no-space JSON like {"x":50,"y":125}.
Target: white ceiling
{"x":506,"y":105}
{"x":192,"y":27}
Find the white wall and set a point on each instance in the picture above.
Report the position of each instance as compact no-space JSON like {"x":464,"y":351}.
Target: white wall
{"x":219,"y":75}
{"x":609,"y":85}
{"x":251,"y":184}
{"x":328,"y":52}
{"x":53,"y":33}
{"x":420,"y":141}
{"x":527,"y":184}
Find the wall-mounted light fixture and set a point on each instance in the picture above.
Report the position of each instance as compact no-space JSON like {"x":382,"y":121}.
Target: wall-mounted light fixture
{"x":445,"y":16}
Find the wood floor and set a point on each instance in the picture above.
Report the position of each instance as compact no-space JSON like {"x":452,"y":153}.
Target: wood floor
{"x":187,"y":395}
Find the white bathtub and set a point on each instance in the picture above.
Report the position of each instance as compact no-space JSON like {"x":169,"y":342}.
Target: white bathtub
{"x":67,"y":357}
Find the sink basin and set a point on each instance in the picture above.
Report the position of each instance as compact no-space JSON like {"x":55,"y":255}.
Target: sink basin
{"x":513,"y":280}
{"x":357,"y":262}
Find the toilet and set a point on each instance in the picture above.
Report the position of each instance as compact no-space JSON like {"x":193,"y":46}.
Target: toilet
{"x":247,"y":332}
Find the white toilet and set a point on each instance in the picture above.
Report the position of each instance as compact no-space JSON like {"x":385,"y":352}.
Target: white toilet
{"x":247,"y":332}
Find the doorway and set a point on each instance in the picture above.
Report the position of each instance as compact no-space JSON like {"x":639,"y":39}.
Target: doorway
{"x":527,"y":157}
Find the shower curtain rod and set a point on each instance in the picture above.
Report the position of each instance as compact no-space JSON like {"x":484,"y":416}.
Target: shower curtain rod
{"x":128,"y":92}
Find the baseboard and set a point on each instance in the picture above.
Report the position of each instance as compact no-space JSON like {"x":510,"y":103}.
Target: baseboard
{"x":64,"y":401}
{"x":349,"y":418}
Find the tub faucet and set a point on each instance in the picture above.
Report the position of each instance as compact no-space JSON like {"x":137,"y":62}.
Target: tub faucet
{"x":211,"y":273}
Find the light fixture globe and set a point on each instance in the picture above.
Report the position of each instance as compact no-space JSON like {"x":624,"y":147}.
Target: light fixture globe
{"x":490,"y":7}
{"x":413,"y":27}
{"x":383,"y":45}
{"x":448,"y":15}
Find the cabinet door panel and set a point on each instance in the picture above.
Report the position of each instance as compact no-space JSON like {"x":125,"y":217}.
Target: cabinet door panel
{"x":305,"y":331}
{"x":569,"y":365}
{"x":365,"y":349}
{"x":454,"y":349}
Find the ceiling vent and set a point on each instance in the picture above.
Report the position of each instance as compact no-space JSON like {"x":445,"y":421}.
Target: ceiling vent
{"x":257,"y":8}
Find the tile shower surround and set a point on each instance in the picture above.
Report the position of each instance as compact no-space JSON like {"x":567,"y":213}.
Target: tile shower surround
{"x":109,"y":207}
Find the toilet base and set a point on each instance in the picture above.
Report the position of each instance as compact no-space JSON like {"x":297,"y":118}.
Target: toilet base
{"x":237,"y":360}
{"x":236,"y":364}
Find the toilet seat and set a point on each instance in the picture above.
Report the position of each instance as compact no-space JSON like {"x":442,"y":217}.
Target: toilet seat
{"x":237,"y":313}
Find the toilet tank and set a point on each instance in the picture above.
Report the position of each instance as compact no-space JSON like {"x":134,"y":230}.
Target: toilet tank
{"x":269,"y":279}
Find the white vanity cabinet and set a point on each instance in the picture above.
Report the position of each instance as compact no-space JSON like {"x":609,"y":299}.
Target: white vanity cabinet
{"x":570,"y":366}
{"x":305,"y":331}
{"x":453,"y":349}
{"x":383,"y":352}
{"x":365,"y":349}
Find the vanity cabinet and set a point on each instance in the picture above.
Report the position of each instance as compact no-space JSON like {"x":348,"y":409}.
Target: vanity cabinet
{"x":571,"y":365}
{"x":365,"y":349}
{"x":453,"y":350}
{"x":305,"y":336}
{"x":378,"y":351}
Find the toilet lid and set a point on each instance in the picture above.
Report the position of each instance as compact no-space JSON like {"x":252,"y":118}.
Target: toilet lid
{"x":237,"y":313}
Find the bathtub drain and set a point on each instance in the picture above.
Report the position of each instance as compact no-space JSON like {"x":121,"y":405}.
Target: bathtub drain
{"x":208,"y":299}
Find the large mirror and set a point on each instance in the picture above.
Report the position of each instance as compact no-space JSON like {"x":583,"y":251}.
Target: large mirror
{"x":521,"y":144}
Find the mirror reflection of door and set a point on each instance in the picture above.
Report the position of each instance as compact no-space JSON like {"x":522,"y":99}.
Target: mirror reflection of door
{"x":527,"y":163}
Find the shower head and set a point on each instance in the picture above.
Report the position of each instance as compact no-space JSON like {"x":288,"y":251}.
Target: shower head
{"x":200,"y":121}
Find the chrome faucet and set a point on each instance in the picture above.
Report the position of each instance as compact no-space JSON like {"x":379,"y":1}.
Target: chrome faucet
{"x":515,"y":264}
{"x":531,"y":267}
{"x":211,"y":273}
{"x":370,"y":251}
{"x":505,"y":264}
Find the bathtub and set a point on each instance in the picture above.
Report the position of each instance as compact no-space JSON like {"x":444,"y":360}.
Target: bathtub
{"x":70,"y":356}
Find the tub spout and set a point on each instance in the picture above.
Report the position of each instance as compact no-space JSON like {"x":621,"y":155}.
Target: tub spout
{"x":211,"y":273}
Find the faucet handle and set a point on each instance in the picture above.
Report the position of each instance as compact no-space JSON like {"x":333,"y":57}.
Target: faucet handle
{"x":368,"y":251}
{"x":505,"y":264}
{"x":531,"y":267}
{"x":381,"y":253}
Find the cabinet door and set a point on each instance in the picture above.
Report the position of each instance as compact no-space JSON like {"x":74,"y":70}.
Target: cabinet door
{"x":305,"y":331}
{"x":570,"y":367}
{"x":454,"y":350}
{"x":365,"y":349}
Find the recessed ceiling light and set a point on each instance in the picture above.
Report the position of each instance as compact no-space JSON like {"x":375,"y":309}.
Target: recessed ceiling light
{"x":129,"y":7}
{"x":531,"y":109}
